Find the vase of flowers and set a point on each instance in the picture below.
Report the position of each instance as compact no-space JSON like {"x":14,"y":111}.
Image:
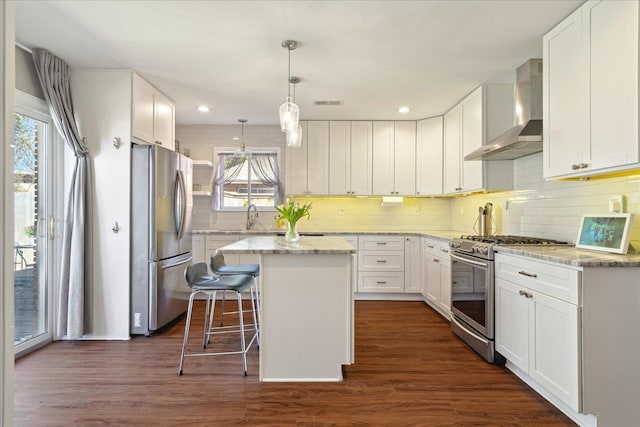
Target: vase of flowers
{"x":31,"y":232}
{"x":291,"y":213}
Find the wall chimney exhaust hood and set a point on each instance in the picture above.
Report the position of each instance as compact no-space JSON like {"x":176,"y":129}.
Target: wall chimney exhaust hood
{"x":526,"y":137}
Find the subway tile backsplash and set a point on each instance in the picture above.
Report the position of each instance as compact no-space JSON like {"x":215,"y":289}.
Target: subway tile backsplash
{"x":550,"y":209}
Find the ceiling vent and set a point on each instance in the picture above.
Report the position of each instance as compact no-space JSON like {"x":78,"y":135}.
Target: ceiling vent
{"x":329,"y":102}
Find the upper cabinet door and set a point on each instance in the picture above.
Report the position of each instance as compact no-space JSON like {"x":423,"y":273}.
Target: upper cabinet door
{"x":565,"y":97}
{"x":591,"y":91}
{"x":383,"y":158}
{"x":339,"y":158}
{"x":142,"y":110}
{"x":361,"y":158}
{"x":472,"y":138}
{"x":612,"y":29}
{"x":152,"y":115}
{"x":318,"y":158}
{"x":296,"y":165}
{"x":452,"y":150}
{"x":164,"y":122}
{"x":405,"y":158}
{"x":429,"y":140}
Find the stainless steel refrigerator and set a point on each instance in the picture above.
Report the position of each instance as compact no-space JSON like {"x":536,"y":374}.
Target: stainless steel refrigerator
{"x":161,"y":205}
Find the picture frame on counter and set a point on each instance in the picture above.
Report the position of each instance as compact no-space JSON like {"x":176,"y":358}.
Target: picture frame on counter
{"x":605,"y":233}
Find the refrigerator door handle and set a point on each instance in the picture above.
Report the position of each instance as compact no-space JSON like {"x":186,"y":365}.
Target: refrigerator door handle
{"x":180,"y":206}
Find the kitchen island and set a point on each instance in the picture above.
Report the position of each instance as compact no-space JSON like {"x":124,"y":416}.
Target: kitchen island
{"x":306,"y":299}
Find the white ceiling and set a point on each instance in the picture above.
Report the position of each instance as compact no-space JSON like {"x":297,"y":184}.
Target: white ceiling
{"x":374,"y":55}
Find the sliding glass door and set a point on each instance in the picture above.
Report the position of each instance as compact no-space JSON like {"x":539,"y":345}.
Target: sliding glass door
{"x":33,"y":222}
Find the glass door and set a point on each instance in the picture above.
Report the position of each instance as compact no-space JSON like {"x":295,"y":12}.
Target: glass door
{"x":33,"y":222}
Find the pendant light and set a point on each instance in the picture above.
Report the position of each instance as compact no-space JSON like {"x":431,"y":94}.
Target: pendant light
{"x":242,"y":151}
{"x":289,"y":111}
{"x":294,"y":136}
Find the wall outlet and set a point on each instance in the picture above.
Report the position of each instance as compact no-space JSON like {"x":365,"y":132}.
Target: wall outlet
{"x":616,"y":203}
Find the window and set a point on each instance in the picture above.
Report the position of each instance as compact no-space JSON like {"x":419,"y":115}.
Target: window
{"x":246,"y":178}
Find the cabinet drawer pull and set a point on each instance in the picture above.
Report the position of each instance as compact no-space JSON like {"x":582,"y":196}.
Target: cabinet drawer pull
{"x":524,"y":273}
{"x":446,"y":251}
{"x":381,"y":243}
{"x":381,"y":260}
{"x":430,"y":246}
{"x":381,"y":282}
{"x":436,"y":260}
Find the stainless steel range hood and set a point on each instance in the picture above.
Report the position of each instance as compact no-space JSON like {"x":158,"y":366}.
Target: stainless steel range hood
{"x":526,"y":137}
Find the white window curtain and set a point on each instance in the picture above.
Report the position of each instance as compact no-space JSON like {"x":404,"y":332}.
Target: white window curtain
{"x":54,"y":75}
{"x":264,"y":168}
{"x":227,"y":170}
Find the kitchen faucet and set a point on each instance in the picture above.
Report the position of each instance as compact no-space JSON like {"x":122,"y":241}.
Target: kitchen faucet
{"x":251,"y":219}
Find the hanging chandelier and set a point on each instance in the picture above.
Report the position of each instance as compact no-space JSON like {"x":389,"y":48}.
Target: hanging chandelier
{"x":294,"y":136}
{"x":289,"y":111}
{"x":242,"y":151}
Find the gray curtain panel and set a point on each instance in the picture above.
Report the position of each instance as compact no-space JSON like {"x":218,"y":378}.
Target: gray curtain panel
{"x":265,"y":168}
{"x":227,"y":170}
{"x":54,"y":75}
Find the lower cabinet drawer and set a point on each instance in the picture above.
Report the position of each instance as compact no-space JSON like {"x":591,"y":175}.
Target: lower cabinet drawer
{"x":380,"y":282}
{"x":381,"y":260}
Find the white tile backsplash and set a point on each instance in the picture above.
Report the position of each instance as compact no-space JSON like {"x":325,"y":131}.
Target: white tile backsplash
{"x":537,"y":207}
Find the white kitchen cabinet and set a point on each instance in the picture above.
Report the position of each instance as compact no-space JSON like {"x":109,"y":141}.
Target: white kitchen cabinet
{"x":590,"y":86}
{"x":152,"y":116}
{"x":198,"y":248}
{"x":350,"y":158}
{"x":412,"y":264}
{"x":429,"y":143}
{"x":538,"y":332}
{"x":307,"y":166}
{"x":483,"y":115}
{"x":394,"y":150}
{"x":381,"y":264}
{"x":437,"y":275}
{"x":202,"y":177}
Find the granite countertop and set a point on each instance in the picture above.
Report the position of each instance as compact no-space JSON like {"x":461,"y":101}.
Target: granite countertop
{"x":444,"y":235}
{"x":571,"y":256}
{"x":318,"y":245}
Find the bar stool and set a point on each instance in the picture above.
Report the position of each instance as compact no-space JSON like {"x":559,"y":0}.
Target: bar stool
{"x":220,"y":268}
{"x":199,"y":280}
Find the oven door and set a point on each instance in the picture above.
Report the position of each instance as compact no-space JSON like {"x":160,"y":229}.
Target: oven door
{"x":472,"y":291}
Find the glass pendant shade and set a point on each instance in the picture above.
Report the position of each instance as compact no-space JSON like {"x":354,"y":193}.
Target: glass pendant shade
{"x":294,"y":137}
{"x":289,"y":115}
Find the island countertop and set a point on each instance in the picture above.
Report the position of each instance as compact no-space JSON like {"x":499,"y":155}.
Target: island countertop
{"x":277,"y":245}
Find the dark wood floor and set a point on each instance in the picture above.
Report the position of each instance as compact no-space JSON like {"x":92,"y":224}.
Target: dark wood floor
{"x":409,"y":371}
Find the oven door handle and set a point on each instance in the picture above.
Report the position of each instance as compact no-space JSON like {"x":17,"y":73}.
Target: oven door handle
{"x":469,"y":261}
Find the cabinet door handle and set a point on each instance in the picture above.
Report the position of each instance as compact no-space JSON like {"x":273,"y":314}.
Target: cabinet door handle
{"x":584,"y":165}
{"x":524,"y":273}
{"x":526,"y":294}
{"x":381,"y":260}
{"x":575,"y":166}
{"x":381,"y":243}
{"x":430,"y":246}
{"x":381,"y":282}
{"x":436,"y":260}
{"x":446,"y":251}
{"x":159,"y":142}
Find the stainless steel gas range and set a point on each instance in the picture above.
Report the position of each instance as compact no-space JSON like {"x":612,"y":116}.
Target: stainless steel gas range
{"x":472,"y":289}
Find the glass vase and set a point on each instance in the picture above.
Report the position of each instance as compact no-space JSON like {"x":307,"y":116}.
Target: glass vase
{"x":291,"y":236}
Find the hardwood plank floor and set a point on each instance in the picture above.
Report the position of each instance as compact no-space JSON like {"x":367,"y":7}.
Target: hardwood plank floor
{"x":409,"y":371}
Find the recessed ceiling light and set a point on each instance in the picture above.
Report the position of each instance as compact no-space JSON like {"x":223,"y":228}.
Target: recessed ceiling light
{"x":403,"y":110}
{"x":203,"y":109}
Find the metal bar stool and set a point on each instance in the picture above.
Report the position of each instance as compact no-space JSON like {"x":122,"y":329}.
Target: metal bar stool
{"x":220,"y":268}
{"x":200,"y":281}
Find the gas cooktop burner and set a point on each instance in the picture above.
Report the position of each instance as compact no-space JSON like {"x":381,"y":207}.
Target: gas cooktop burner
{"x":512,"y":240}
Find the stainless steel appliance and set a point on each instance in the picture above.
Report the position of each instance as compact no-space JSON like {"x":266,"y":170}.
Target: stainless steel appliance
{"x":526,"y":137}
{"x":473,"y":286}
{"x":161,"y":205}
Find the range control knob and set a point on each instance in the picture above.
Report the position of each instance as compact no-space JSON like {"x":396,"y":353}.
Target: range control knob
{"x":485,"y":251}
